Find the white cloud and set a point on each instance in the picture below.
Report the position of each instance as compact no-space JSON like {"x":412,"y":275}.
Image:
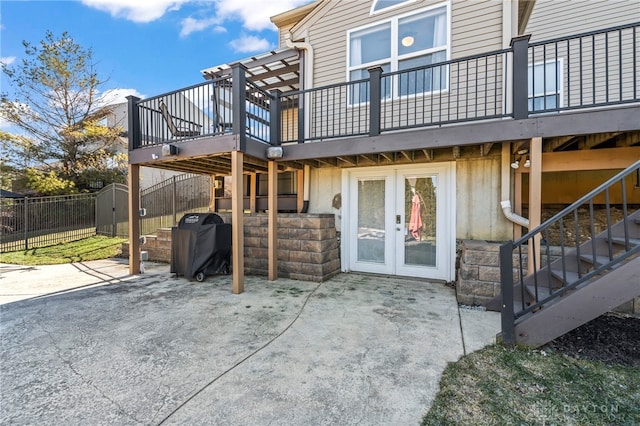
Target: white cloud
{"x":248,"y":43}
{"x":254,"y":15}
{"x":191,"y":25}
{"x":7,"y":60}
{"x":137,"y":11}
{"x":117,"y":96}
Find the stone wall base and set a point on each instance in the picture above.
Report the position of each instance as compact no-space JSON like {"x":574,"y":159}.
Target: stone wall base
{"x":307,"y":245}
{"x":479,"y":274}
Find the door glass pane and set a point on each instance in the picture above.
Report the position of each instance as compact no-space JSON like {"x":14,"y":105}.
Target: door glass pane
{"x":420,"y":220}
{"x":371,"y":220}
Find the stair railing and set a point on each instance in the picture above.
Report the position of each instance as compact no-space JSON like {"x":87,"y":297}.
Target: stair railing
{"x":521,"y":251}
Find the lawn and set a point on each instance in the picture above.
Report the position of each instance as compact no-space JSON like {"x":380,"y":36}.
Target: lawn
{"x":92,"y":248}
{"x":502,"y":386}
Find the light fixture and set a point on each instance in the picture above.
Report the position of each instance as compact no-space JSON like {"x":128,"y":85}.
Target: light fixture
{"x":527,"y":162}
{"x":407,"y":41}
{"x":515,"y":164}
{"x":169,"y":149}
{"x":274,"y":152}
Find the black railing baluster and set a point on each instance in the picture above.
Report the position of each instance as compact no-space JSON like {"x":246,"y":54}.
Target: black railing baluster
{"x":593,"y":68}
{"x":624,"y":215}
{"x":592,"y":231}
{"x":608,"y":210}
{"x":562,"y":253}
{"x":606,"y":65}
{"x":577,"y":234}
{"x":620,"y":96}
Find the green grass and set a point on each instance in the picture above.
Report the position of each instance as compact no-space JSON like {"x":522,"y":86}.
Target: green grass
{"x":93,"y":248}
{"x":501,"y":386}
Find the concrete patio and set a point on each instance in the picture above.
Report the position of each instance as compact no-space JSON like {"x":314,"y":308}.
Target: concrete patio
{"x":88,"y":344}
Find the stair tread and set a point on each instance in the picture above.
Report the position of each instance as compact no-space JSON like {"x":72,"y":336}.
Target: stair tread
{"x":599,"y":261}
{"x":543,"y":291}
{"x":571,"y":276}
{"x":620,"y":241}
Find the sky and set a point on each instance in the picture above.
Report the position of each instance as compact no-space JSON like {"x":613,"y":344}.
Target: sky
{"x":146,"y":47}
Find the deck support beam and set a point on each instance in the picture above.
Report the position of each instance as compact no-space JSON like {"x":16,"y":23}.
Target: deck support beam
{"x":535,"y":199}
{"x":134,"y":218}
{"x":237,"y":221}
{"x":272,"y":242}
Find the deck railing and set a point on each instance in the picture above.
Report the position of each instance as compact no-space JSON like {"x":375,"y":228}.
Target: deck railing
{"x":588,"y":70}
{"x":582,"y":255}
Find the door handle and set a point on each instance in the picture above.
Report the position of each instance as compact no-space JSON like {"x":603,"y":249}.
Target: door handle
{"x":398,"y":219}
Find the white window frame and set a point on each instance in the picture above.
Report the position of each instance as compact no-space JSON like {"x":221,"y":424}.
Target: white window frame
{"x":559,"y":88}
{"x":395,"y":58}
{"x":388,"y":8}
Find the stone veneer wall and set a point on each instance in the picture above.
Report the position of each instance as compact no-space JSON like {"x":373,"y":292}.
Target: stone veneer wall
{"x":307,"y":245}
{"x":479,"y":274}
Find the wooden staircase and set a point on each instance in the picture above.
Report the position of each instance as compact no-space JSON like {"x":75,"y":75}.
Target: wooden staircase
{"x":589,"y":279}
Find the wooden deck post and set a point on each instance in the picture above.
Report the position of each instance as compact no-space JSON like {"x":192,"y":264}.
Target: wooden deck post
{"x":535,"y":197}
{"x":273,"y":221}
{"x":134,"y":218}
{"x":237,"y":221}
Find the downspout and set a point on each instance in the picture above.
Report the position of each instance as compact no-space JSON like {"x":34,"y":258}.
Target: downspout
{"x":513,"y":217}
{"x":307,"y":83}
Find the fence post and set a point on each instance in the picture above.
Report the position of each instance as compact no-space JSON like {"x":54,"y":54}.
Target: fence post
{"x":239,"y":104}
{"x":375,"y":96}
{"x":520,"y":92}
{"x":506,"y":282}
{"x":26,"y":223}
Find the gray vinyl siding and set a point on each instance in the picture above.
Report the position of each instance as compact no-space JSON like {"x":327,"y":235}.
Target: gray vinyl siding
{"x":476,"y":27}
{"x":557,"y":18}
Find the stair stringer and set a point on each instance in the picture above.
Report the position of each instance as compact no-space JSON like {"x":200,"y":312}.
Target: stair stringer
{"x":585,"y":303}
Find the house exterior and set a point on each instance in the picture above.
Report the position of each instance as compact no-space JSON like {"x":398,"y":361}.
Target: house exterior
{"x":409,"y":122}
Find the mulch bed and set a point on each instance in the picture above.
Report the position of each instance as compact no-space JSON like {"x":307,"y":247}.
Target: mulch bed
{"x":611,"y":338}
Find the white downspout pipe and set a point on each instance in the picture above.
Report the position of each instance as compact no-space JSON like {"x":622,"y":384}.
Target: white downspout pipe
{"x":515,"y":218}
{"x":307,"y":84}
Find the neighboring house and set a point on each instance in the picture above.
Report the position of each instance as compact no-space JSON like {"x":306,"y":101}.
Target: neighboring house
{"x":410,"y":121}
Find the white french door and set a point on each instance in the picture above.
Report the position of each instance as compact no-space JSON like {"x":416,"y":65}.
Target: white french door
{"x":400,"y":221}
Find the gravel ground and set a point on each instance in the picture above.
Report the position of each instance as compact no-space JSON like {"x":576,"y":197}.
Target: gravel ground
{"x":612,"y":338}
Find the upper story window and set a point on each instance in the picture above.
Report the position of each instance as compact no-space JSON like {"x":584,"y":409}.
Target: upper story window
{"x":545,"y":86}
{"x":379,"y":5}
{"x":401,"y":43}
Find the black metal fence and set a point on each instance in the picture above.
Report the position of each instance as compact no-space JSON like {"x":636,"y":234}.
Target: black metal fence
{"x":581,"y":71}
{"x":583,"y":254}
{"x":28,"y":223}
{"x":167,"y":201}
{"x":38,"y":222}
